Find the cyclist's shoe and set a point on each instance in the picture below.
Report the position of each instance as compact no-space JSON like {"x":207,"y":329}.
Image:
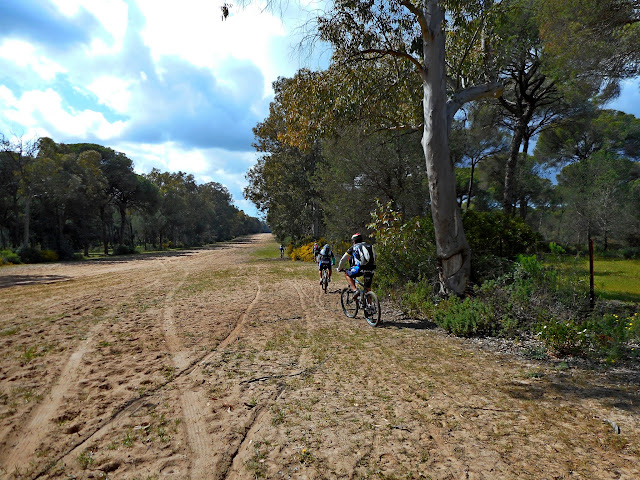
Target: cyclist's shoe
{"x":320,"y":282}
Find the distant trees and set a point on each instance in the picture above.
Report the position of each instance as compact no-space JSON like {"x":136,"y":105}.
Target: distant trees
{"x":70,"y":197}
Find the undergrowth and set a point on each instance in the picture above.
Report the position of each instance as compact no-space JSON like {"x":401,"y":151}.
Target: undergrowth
{"x":515,"y":292}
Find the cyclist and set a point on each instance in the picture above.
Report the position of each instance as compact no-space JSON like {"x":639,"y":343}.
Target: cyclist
{"x":316,"y":252}
{"x":361,"y":263}
{"x":281,"y":251}
{"x":325,"y":260}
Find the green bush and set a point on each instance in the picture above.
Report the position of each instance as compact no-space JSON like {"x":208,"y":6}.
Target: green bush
{"x":405,"y":250}
{"x":468,"y":318}
{"x":564,"y":337}
{"x":29,"y":255}
{"x":417,"y":299}
{"x":496,"y":234}
{"x":48,"y":256}
{"x":9,"y":257}
{"x":123,"y":250}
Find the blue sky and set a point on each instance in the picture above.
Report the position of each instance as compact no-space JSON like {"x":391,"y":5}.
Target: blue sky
{"x":166,"y":82}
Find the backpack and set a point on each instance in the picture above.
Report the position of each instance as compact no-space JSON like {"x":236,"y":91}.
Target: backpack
{"x":326,"y":251}
{"x":363,"y":254}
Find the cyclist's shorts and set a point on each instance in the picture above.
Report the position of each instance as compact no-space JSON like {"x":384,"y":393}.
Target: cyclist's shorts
{"x":324,"y":266}
{"x":356,"y":272}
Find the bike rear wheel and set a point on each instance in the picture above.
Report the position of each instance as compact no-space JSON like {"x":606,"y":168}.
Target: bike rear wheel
{"x":349,"y":304}
{"x":372,"y":309}
{"x":325,"y":280}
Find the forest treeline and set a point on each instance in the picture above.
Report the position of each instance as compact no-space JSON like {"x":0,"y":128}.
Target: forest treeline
{"x":71,"y":198}
{"x":541,"y":145}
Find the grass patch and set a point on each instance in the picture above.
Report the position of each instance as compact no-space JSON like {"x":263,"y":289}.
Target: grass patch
{"x":615,"y":279}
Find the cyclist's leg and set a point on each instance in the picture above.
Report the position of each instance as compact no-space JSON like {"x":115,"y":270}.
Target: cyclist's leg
{"x":368,"y":279}
{"x":352,"y":273}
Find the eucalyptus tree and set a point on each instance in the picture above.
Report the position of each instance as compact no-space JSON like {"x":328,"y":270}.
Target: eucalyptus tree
{"x":426,"y":54}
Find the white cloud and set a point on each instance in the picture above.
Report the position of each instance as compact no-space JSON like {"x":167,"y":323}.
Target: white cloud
{"x":113,"y":92}
{"x":43,"y":110}
{"x":24,"y":55}
{"x":195,"y":31}
{"x":113,"y":14}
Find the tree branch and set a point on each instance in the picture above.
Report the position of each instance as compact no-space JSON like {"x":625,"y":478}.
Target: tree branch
{"x":419,"y":14}
{"x":395,"y":53}
{"x":470,"y":94}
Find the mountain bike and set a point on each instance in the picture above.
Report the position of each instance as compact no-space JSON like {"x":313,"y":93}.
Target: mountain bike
{"x":367,"y":301}
{"x":324,"y":282}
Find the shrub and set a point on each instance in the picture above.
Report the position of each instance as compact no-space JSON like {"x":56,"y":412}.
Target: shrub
{"x":9,"y":257}
{"x":304,"y":253}
{"x":494,"y":233}
{"x":29,"y":254}
{"x":468,"y":318}
{"x":563,"y":337}
{"x":48,"y":256}
{"x":123,"y":250}
{"x":416,"y":299}
{"x":405,"y":250}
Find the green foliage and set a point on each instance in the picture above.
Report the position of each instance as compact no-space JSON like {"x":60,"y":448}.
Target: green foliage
{"x":29,"y":255}
{"x":416,"y":299}
{"x":405,"y":250}
{"x":49,"y":256}
{"x":563,"y":337}
{"x":494,"y":233}
{"x":9,"y":257}
{"x":124,"y":250}
{"x":467,"y":318}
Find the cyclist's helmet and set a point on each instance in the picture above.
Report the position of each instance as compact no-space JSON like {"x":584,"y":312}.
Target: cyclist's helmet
{"x":356,"y":238}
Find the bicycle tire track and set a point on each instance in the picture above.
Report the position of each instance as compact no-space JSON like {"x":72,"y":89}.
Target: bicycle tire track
{"x":39,"y":424}
{"x":134,"y":403}
{"x":194,"y":405}
{"x":229,"y":462}
{"x":240,"y":324}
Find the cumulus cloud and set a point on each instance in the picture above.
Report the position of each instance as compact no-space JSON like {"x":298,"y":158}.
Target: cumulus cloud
{"x":169,"y":84}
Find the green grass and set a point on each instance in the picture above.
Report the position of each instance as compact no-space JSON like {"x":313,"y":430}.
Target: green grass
{"x":615,"y":279}
{"x":269,"y":251}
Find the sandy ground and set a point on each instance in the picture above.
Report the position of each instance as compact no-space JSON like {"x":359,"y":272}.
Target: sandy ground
{"x":224,"y":364}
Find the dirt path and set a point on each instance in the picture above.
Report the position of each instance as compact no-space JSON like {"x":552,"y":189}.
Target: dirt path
{"x":229,"y":363}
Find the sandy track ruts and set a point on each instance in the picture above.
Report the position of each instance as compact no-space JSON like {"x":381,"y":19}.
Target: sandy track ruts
{"x":192,"y":401}
{"x":194,"y":406}
{"x":41,"y":421}
{"x":45,"y":411}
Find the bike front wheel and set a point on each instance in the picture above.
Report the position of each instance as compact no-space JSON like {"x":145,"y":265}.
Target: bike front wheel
{"x":372,"y":309}
{"x":349,"y":304}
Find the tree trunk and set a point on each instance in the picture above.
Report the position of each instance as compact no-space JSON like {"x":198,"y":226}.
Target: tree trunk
{"x":454,"y":259}
{"x":27,"y":219}
{"x":470,"y":189}
{"x":123,"y":223}
{"x":105,"y":237}
{"x":510,"y":169}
